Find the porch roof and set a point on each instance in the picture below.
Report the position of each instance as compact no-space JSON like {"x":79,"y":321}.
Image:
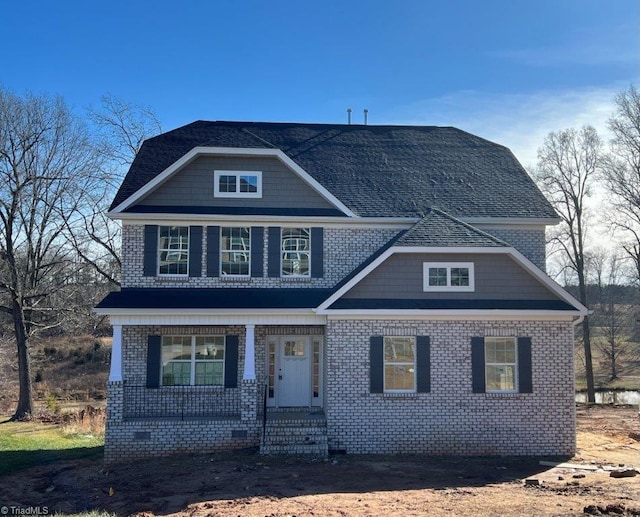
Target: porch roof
{"x":232,"y":298}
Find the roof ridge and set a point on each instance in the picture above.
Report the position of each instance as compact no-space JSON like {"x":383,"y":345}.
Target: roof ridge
{"x":469,"y":226}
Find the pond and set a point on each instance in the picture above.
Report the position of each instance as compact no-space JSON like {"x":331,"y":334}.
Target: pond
{"x":612,"y":397}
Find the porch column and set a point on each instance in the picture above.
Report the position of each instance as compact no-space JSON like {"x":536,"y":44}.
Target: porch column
{"x":115,"y":375}
{"x":250,"y":354}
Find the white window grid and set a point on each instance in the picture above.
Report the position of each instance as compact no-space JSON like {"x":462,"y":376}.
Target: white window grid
{"x":237,"y":184}
{"x":499,"y":346}
{"x":448,"y":267}
{"x":192,"y":361}
{"x":411,"y":340}
{"x":236,"y":246}
{"x":175,"y":249}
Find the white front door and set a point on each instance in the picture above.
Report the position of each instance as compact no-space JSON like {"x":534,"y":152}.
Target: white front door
{"x":293,"y":384}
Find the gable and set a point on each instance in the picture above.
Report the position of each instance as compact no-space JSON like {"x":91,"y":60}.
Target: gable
{"x":193,"y":185}
{"x":497,"y":276}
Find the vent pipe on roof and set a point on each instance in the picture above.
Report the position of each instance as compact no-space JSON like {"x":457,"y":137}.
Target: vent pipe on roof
{"x":366,"y":113}
{"x":349,"y":116}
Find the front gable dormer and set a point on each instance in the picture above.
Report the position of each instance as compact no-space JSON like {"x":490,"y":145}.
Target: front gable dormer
{"x":213,"y":180}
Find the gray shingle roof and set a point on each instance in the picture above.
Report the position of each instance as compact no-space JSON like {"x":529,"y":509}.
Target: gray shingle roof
{"x":376,"y":171}
{"x":442,"y":230}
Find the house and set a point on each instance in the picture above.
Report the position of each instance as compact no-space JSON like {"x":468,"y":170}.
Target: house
{"x":306,"y":288}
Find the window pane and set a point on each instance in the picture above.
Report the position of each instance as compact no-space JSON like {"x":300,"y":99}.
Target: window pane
{"x":459,"y":276}
{"x":176,"y":348}
{"x":227,"y":184}
{"x":399,"y":377}
{"x":294,"y":348}
{"x":399,"y":349}
{"x":500,"y":378}
{"x":176,"y":374}
{"x":438,"y":276}
{"x":248,"y":183}
{"x":209,"y":347}
{"x":295,"y":239}
{"x":209,"y":373}
{"x":295,"y":264}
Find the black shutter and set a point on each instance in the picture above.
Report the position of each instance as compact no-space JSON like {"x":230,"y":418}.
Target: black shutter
{"x":257,"y":251}
{"x":273,"y":268}
{"x":195,"y":251}
{"x":376,"y":359}
{"x":317,"y":267}
{"x":477,"y":365}
{"x":154,"y":349}
{"x":525,"y":379}
{"x":150,"y":254}
{"x":423,"y":364}
{"x":213,"y":251}
{"x":231,"y":362}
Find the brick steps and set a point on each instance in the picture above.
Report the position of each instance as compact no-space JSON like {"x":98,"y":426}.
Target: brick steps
{"x":295,"y":436}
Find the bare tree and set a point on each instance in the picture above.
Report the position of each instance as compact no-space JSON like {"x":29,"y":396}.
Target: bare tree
{"x":44,"y":150}
{"x":613,"y":314}
{"x":119,"y":129}
{"x":621,"y":172}
{"x":567,"y":164}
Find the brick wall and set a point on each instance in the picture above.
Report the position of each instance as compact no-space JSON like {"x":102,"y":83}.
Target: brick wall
{"x":344,"y":249}
{"x":451,"y":419}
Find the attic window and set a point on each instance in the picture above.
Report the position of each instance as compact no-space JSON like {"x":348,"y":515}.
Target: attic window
{"x":237,"y":184}
{"x":448,"y":276}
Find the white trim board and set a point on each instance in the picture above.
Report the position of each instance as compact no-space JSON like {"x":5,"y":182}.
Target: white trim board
{"x":229,"y":151}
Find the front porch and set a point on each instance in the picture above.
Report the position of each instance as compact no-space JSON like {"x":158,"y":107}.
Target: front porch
{"x":269,"y":395}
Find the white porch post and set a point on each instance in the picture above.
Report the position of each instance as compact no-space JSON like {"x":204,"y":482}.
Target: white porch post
{"x":250,"y":354}
{"x":115,"y":375}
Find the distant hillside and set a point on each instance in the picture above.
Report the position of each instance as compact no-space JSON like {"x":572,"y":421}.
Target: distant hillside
{"x":63,"y":369}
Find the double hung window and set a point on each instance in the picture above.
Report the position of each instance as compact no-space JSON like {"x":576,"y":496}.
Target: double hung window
{"x":399,"y":364}
{"x":296,"y":252}
{"x":173,"y":250}
{"x":501,"y":364}
{"x":193,"y":360}
{"x":235,"y":251}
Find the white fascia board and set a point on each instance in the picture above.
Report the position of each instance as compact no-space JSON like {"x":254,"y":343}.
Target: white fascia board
{"x":229,"y":151}
{"x":449,"y":314}
{"x":511,"y":221}
{"x":194,"y":320}
{"x":547,"y":281}
{"x":518,"y":257}
{"x":399,"y":223}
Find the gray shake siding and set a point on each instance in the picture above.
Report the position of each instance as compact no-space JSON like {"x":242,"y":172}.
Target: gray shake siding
{"x":496,"y":277}
{"x":343,"y":250}
{"x":194,"y":186}
{"x":451,"y":419}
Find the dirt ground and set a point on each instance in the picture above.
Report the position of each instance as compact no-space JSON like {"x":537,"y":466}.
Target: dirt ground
{"x":247,"y":484}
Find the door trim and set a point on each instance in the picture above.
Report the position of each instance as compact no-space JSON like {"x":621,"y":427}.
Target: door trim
{"x":274,"y":344}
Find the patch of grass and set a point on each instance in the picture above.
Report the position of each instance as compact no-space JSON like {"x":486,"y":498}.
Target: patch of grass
{"x":28,"y":444}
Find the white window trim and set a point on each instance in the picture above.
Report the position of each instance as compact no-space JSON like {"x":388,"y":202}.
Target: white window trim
{"x":516,"y":388}
{"x":192,"y":362}
{"x":237,"y":174}
{"x":160,"y":250}
{"x":415,"y":367}
{"x":282,"y":275}
{"x":224,"y":275}
{"x":447,"y":288}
